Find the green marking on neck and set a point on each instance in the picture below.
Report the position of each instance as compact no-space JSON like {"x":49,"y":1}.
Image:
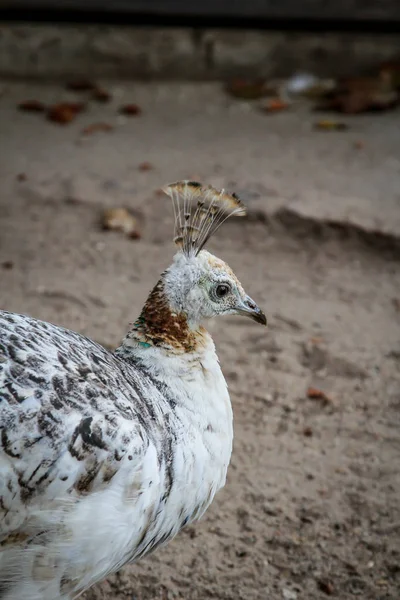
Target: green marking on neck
{"x":144,"y":344}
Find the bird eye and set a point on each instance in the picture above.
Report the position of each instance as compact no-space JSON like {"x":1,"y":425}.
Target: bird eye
{"x":222,"y":290}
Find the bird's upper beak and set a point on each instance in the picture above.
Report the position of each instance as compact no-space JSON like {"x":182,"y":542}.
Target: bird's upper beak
{"x":249,"y":308}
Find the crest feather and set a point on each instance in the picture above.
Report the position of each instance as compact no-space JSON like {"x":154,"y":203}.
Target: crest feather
{"x":199,"y":211}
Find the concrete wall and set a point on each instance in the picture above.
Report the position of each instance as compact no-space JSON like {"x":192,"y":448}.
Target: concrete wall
{"x":52,"y":51}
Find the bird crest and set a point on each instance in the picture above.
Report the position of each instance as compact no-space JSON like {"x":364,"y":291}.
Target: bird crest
{"x":199,"y":211}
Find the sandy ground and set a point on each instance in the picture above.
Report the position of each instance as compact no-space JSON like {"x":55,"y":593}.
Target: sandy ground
{"x":311,"y":505}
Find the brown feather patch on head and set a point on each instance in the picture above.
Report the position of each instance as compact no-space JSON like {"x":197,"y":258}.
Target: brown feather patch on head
{"x":199,"y":211}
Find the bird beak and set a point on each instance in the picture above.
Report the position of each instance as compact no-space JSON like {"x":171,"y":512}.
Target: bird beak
{"x":249,"y":308}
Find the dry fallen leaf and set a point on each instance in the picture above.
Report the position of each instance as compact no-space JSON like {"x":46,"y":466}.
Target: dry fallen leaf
{"x":95,"y":127}
{"x":326,"y":586}
{"x":131,"y":110}
{"x":317,"y":394}
{"x":145,"y":166}
{"x":396,"y":304}
{"x":307,"y":432}
{"x":101,"y":95}
{"x":72,"y":201}
{"x":275,"y":105}
{"x":32,"y":106}
{"x":391,"y":70}
{"x":81,"y":85}
{"x":247,"y":89}
{"x":120,"y":219}
{"x":355,"y":95}
{"x":328,"y":125}
{"x":64,"y":112}
{"x":7,"y":265}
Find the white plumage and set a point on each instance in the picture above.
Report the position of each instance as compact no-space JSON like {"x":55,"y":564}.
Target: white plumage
{"x":106,"y":456}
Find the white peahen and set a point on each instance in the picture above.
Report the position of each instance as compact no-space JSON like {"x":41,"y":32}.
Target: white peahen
{"x":104,"y":456}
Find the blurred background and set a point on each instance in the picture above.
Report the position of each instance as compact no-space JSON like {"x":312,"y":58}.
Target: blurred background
{"x":294,"y":105}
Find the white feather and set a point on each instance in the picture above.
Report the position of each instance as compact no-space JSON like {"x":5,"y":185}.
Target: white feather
{"x":58,"y":542}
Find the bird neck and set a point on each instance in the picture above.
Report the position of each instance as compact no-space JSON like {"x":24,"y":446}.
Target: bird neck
{"x":160,"y":326}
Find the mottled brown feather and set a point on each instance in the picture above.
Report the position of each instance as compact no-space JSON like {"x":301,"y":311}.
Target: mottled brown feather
{"x":158,"y":325}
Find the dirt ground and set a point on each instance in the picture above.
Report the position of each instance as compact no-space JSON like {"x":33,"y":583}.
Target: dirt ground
{"x":311,"y":506}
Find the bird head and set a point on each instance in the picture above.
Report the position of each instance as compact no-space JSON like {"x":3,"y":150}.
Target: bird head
{"x":202,"y":287}
{"x":197,"y":285}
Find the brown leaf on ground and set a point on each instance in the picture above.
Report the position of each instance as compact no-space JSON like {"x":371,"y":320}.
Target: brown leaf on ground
{"x":131,"y":110}
{"x":81,"y":85}
{"x":247,"y":89}
{"x":328,"y":125}
{"x":146,"y":166}
{"x":120,"y":219}
{"x":95,"y":127}
{"x":72,"y":201}
{"x":32,"y":106}
{"x":396,"y":304}
{"x":64,"y":112}
{"x":101,"y":95}
{"x":7,"y":265}
{"x":360,"y":94}
{"x":391,"y":70}
{"x":326,"y":586}
{"x":275,"y":105}
{"x":317,"y":394}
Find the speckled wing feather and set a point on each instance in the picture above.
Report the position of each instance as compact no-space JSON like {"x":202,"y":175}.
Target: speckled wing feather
{"x":74,"y":421}
{"x":105,"y":456}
